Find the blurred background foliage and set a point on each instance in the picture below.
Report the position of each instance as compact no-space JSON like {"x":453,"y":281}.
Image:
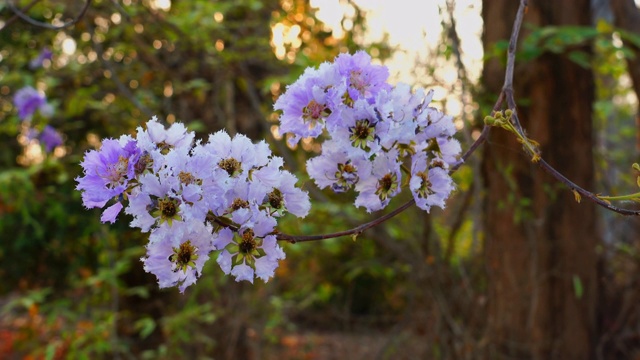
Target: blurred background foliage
{"x":74,"y":288}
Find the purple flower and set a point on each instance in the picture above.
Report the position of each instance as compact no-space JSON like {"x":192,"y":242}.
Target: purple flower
{"x":310,"y":102}
{"x":51,"y":138}
{"x":429,"y":186}
{"x":252,"y":252}
{"x":107,"y":174}
{"x":45,"y":54}
{"x":340,"y":166}
{"x":363,"y":79}
{"x":177,"y":255}
{"x":158,"y":141}
{"x":398,"y":108}
{"x":384,"y":183}
{"x":156,"y":203}
{"x":360,"y":128}
{"x":28,"y":100}
{"x":237,"y":156}
{"x":198,"y":185}
{"x":275,"y":189}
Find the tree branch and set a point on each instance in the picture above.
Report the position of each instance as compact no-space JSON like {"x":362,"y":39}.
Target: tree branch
{"x":30,"y":20}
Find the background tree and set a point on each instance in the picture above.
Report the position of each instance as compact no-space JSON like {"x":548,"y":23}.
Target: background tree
{"x":540,"y":244}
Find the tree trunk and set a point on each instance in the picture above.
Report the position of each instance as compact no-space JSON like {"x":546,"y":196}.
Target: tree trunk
{"x":540,"y":246}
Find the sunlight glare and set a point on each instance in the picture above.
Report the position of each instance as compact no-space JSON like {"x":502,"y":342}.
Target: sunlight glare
{"x":164,"y":5}
{"x":68,"y":46}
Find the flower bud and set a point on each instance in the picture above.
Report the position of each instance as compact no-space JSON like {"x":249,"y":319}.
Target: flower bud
{"x":489,"y":120}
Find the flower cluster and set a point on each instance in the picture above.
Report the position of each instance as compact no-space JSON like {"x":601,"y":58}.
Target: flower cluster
{"x":28,"y":101}
{"x":194,"y":198}
{"x":226,"y":194}
{"x":373,"y":131}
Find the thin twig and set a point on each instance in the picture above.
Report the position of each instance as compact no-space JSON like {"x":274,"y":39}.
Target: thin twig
{"x":30,"y":20}
{"x":355,"y":231}
{"x":16,"y":17}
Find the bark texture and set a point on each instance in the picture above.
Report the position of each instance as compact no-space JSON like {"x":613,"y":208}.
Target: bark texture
{"x":540,"y":243}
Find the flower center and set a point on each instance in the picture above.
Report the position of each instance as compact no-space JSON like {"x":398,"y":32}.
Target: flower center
{"x":144,"y":162}
{"x":117,"y":172}
{"x":346,"y":177}
{"x":248,"y":243}
{"x":186,"y":178}
{"x":358,"y":81}
{"x":232,"y":166}
{"x":276,"y":200}
{"x":167,"y":210}
{"x":425,"y":185}
{"x":314,"y":112}
{"x":184,"y":256}
{"x":362,"y":133}
{"x":239,"y":204}
{"x":387,"y":185}
{"x":164,"y":147}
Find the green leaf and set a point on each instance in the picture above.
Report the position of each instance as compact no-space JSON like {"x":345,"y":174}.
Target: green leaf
{"x":577,"y":287}
{"x":581,"y":58}
{"x":145,"y":326}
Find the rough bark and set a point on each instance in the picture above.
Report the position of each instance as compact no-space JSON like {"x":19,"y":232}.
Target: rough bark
{"x":540,"y":245}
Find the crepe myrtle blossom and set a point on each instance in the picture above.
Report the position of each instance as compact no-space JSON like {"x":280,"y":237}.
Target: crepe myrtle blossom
{"x":310,"y":102}
{"x":430,"y":184}
{"x":157,"y":141}
{"x":50,"y":138}
{"x":176,"y":255}
{"x":360,"y":128}
{"x":316,"y":100}
{"x":251,"y":252}
{"x":276,"y":188}
{"x":400,"y":108}
{"x":237,"y":156}
{"x":178,"y":190}
{"x":37,"y":62}
{"x":28,"y":100}
{"x":377,"y":189}
{"x":339,"y":167}
{"x":157,"y":202}
{"x":363,"y":79}
{"x":108,"y":173}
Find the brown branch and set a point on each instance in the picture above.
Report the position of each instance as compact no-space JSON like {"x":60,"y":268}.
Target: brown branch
{"x":507,"y":92}
{"x":21,"y":14}
{"x":16,"y":17}
{"x":355,"y":231}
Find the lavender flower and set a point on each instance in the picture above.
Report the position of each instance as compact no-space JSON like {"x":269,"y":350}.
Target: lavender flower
{"x":107,"y":174}
{"x":45,"y":54}
{"x":28,"y":100}
{"x":51,"y":138}
{"x":383,"y":184}
{"x":310,"y":102}
{"x":158,"y":141}
{"x":339,"y":167}
{"x":253,"y":252}
{"x":177,"y":192}
{"x":430,"y":185}
{"x":177,"y":255}
{"x":363,"y":79}
{"x":277,"y":190}
{"x":156,"y":204}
